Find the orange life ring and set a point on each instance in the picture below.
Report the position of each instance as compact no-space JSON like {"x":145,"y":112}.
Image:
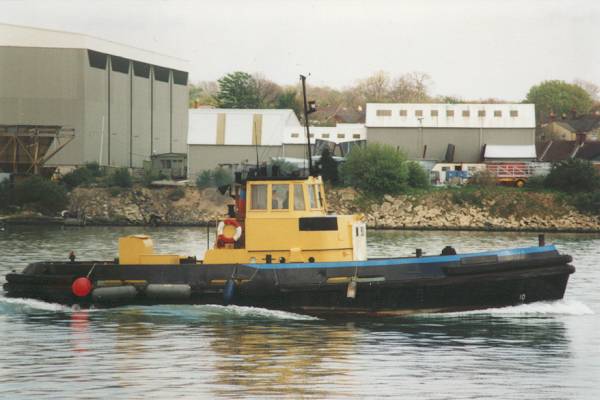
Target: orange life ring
{"x":222,"y":240}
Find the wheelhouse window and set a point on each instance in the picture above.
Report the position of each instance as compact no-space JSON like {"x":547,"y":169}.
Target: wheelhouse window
{"x":258,"y":197}
{"x":312,"y":198}
{"x":315,"y":197}
{"x":319,"y":196}
{"x":280,"y":197}
{"x":299,"y":204}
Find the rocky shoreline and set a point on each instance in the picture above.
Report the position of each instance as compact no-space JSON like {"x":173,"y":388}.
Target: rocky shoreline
{"x":435,"y":210}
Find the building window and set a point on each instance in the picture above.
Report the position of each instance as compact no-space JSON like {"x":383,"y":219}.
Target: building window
{"x":418,"y":113}
{"x":466,"y":113}
{"x":96,"y":59}
{"x":481,"y":113}
{"x":295,"y":135}
{"x":449,"y":113}
{"x":258,"y":199}
{"x":325,"y":135}
{"x":161,"y":74}
{"x":434,"y":113}
{"x":403,"y":113}
{"x":119,"y":64}
{"x":180,"y":77}
{"x":514,"y":113}
{"x":312,"y":135}
{"x":497,"y":113}
{"x":384,"y":113}
{"x":141,"y":69}
{"x":356,"y":136}
{"x":341,"y":136}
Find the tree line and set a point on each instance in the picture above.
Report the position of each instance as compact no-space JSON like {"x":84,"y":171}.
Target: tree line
{"x":243,"y":90}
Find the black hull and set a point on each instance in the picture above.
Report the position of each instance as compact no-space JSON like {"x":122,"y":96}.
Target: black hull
{"x":383,"y":287}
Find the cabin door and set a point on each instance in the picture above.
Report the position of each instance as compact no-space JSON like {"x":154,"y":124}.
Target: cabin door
{"x":359,"y":241}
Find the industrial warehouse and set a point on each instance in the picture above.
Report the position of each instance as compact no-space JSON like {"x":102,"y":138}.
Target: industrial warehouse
{"x":67,"y":99}
{"x":235,"y":137}
{"x":450,"y":132}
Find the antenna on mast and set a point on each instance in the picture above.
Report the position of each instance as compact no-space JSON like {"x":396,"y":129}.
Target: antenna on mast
{"x":309,"y":107}
{"x":255,"y":134}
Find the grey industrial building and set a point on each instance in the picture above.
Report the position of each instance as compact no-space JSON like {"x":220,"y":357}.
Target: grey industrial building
{"x":123,"y":104}
{"x":456,"y":131}
{"x":234,"y":137}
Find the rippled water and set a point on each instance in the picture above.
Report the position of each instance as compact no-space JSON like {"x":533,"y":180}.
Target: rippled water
{"x":534,"y":351}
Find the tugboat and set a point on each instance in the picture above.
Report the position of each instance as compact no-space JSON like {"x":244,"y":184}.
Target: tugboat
{"x":279,"y":249}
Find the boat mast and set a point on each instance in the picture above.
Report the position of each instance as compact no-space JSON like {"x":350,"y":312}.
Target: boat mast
{"x":306,"y":112}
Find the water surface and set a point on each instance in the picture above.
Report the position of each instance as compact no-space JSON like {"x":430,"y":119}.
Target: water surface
{"x":535,"y":351}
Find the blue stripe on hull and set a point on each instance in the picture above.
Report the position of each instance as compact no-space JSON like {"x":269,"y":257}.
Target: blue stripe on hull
{"x":410,"y":260}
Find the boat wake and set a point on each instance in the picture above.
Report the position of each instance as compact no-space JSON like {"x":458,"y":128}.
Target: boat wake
{"x":255,"y":312}
{"x":18,"y":304}
{"x":559,"y":307}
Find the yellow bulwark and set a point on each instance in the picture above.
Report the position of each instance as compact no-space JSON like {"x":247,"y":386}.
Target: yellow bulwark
{"x":139,"y":249}
{"x":285,"y":221}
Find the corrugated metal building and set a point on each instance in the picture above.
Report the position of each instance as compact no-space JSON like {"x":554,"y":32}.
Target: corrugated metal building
{"x":231,"y":137}
{"x":234,"y":136}
{"x":123,"y":103}
{"x":424,"y":131}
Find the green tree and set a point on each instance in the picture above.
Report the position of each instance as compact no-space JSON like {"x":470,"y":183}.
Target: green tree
{"x":40,"y":194}
{"x":120,"y":177}
{"x":83,"y":175}
{"x":204,"y":179}
{"x":328,"y":167}
{"x":238,"y":90}
{"x":376,"y":169}
{"x":559,"y":97}
{"x":573,"y":175}
{"x":287,"y":100}
{"x":417,"y":176}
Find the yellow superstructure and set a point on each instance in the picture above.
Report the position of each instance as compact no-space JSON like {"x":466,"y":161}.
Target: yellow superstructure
{"x":284,"y":220}
{"x":276,"y":221}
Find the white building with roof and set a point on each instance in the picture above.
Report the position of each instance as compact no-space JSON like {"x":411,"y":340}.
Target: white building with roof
{"x":124,"y":103}
{"x":233,"y":137}
{"x":451,"y":132}
{"x":340,"y":133}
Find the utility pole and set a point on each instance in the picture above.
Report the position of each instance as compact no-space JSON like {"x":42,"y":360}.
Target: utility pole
{"x":306,"y":112}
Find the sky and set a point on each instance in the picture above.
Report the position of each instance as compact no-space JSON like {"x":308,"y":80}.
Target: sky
{"x":473,"y":49}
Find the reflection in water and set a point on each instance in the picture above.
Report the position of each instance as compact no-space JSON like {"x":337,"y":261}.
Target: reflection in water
{"x":539,"y":351}
{"x":278,"y":360}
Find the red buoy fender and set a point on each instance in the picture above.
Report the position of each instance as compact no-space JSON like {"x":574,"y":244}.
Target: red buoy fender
{"x":81,"y":286}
